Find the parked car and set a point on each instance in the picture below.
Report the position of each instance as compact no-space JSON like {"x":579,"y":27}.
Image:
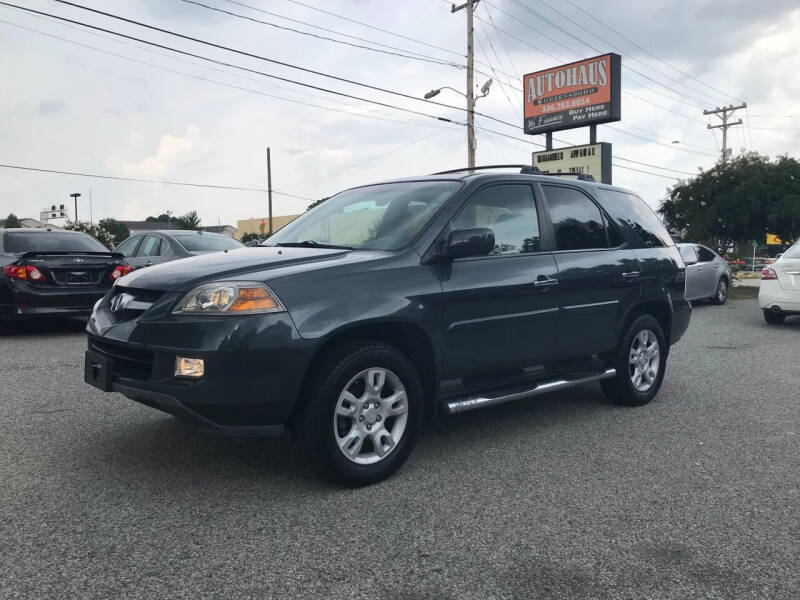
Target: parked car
{"x":708,"y":275}
{"x":156,"y":247}
{"x":390,"y":303}
{"x":53,"y":273}
{"x":779,"y":293}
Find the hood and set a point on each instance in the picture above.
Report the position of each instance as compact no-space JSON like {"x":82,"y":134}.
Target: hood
{"x":242,"y":263}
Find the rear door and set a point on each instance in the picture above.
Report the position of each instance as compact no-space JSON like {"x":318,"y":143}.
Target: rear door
{"x":499,"y":310}
{"x":709,"y":271}
{"x":788,"y":269}
{"x":597,"y":273}
{"x":151,"y":251}
{"x":694,"y":271}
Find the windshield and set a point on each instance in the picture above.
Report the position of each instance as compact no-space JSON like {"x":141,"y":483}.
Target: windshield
{"x":207,"y":243}
{"x":52,"y":241}
{"x":381,"y":217}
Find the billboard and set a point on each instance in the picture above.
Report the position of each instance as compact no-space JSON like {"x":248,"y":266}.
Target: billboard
{"x":577,"y":94}
{"x":591,"y":159}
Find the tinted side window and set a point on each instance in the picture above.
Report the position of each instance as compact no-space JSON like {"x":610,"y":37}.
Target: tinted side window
{"x":704,"y":254}
{"x":688,"y":254}
{"x":508,"y":210}
{"x":636,"y":214}
{"x":150,"y":246}
{"x":577,"y":222}
{"x":128,"y":247}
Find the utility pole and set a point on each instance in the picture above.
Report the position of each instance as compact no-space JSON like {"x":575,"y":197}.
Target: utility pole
{"x":470,"y":6}
{"x":269,"y":189}
{"x":727,"y":113}
{"x":75,"y":197}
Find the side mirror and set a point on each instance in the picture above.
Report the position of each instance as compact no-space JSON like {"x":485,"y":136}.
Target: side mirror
{"x":478,"y":241}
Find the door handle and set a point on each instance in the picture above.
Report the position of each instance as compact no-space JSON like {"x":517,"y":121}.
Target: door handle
{"x":630,"y":276}
{"x":148,"y":263}
{"x":545,"y":282}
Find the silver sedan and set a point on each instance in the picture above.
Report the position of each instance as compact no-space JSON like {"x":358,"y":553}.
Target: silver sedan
{"x":708,"y":275}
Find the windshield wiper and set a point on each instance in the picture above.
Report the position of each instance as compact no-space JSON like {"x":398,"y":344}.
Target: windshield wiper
{"x":313,"y":244}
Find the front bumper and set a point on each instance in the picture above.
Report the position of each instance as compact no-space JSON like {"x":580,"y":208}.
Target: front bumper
{"x":254,"y":368}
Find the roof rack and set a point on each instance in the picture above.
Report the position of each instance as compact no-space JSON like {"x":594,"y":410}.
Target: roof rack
{"x":523,"y":169}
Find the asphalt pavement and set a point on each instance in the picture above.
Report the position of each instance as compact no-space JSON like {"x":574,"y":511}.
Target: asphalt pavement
{"x":696,"y":495}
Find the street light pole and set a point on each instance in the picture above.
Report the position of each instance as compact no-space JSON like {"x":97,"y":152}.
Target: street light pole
{"x":469,"y":5}
{"x":75,"y":197}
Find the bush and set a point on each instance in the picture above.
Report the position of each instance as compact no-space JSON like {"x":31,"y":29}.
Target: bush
{"x":98,"y":232}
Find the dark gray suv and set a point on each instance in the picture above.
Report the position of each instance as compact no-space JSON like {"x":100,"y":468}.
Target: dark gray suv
{"x":391,"y":303}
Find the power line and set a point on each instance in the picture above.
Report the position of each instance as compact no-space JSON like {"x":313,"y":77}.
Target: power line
{"x":341,"y":34}
{"x":317,"y":36}
{"x":140,"y":180}
{"x":221,"y":83}
{"x":251,"y":55}
{"x":227,"y":64}
{"x":630,"y":41}
{"x":671,"y":146}
{"x":634,"y":58}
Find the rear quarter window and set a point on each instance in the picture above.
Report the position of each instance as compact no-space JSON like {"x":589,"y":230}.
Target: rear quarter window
{"x":631,"y":211}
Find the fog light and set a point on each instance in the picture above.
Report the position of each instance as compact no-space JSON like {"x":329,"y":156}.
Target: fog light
{"x":189,"y":367}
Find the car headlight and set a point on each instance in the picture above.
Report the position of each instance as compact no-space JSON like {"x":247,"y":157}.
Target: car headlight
{"x":229,"y":297}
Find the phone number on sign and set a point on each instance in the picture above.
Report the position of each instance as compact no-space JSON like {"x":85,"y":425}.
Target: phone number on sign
{"x":566,"y":105}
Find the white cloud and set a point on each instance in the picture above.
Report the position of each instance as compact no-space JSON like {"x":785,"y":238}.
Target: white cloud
{"x":172,"y":153}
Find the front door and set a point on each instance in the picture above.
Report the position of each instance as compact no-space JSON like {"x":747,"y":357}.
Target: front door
{"x":694,"y":272}
{"x":499,"y":310}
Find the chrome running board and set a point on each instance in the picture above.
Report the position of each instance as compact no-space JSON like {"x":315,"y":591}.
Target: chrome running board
{"x":473,"y":402}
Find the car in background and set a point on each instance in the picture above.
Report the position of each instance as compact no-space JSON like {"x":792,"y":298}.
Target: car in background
{"x":156,"y":247}
{"x":779,"y":293}
{"x":54,"y":273}
{"x":708,"y":275}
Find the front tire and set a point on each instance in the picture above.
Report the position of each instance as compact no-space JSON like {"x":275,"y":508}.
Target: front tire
{"x":774,"y":318}
{"x":363,"y":413}
{"x":640,"y":361}
{"x":721,"y":295}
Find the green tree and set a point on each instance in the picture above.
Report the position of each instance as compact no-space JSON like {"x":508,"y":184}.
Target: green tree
{"x":12,"y":221}
{"x":98,"y":232}
{"x":251,"y":235}
{"x":317,"y":203}
{"x":118,"y":230}
{"x":190,"y":220}
{"x":163,"y":217}
{"x":742,"y":199}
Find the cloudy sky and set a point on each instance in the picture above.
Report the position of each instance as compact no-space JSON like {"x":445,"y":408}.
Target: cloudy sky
{"x":84,"y":101}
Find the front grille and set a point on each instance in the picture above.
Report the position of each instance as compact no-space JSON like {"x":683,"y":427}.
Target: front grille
{"x":133,"y":304}
{"x":129,"y":362}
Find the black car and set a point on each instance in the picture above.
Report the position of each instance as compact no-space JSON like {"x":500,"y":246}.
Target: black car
{"x":156,"y":247}
{"x":54,"y":273}
{"x":390,"y":303}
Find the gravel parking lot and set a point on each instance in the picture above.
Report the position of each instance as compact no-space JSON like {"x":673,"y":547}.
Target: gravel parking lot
{"x":562,"y":496}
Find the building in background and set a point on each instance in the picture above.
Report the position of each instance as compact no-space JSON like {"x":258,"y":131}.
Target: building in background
{"x":261,"y":224}
{"x":28,"y":223}
{"x":226,"y":230}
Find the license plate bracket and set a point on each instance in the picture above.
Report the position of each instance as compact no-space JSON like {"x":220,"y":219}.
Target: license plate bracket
{"x":97,"y":370}
{"x":78,"y":277}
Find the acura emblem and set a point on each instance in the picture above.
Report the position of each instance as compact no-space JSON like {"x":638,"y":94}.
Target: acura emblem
{"x":78,"y":260}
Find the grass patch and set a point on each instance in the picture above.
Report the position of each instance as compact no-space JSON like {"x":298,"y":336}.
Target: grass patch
{"x":743,"y":292}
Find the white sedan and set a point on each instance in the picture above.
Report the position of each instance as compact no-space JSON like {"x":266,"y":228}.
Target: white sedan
{"x":779,"y":294}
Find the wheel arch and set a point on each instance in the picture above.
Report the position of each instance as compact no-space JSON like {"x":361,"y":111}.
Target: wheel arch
{"x":659,"y":309}
{"x":408,"y":337}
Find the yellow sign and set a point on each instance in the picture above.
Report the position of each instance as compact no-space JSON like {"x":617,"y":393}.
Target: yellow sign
{"x":773,"y":240}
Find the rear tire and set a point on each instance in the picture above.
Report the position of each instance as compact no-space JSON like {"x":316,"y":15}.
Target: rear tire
{"x":774,"y":318}
{"x":721,"y":295}
{"x":640,"y":361}
{"x":363,"y":413}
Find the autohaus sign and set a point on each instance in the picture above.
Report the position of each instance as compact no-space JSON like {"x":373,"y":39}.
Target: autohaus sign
{"x":577,"y":94}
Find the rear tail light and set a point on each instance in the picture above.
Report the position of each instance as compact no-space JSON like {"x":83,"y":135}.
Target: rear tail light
{"x":768,"y":274}
{"x":120,"y":271}
{"x":23,"y":272}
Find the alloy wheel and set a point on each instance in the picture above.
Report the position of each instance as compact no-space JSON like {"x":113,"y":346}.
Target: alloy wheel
{"x":371,"y":416}
{"x":722,"y":291}
{"x":644,"y":359}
